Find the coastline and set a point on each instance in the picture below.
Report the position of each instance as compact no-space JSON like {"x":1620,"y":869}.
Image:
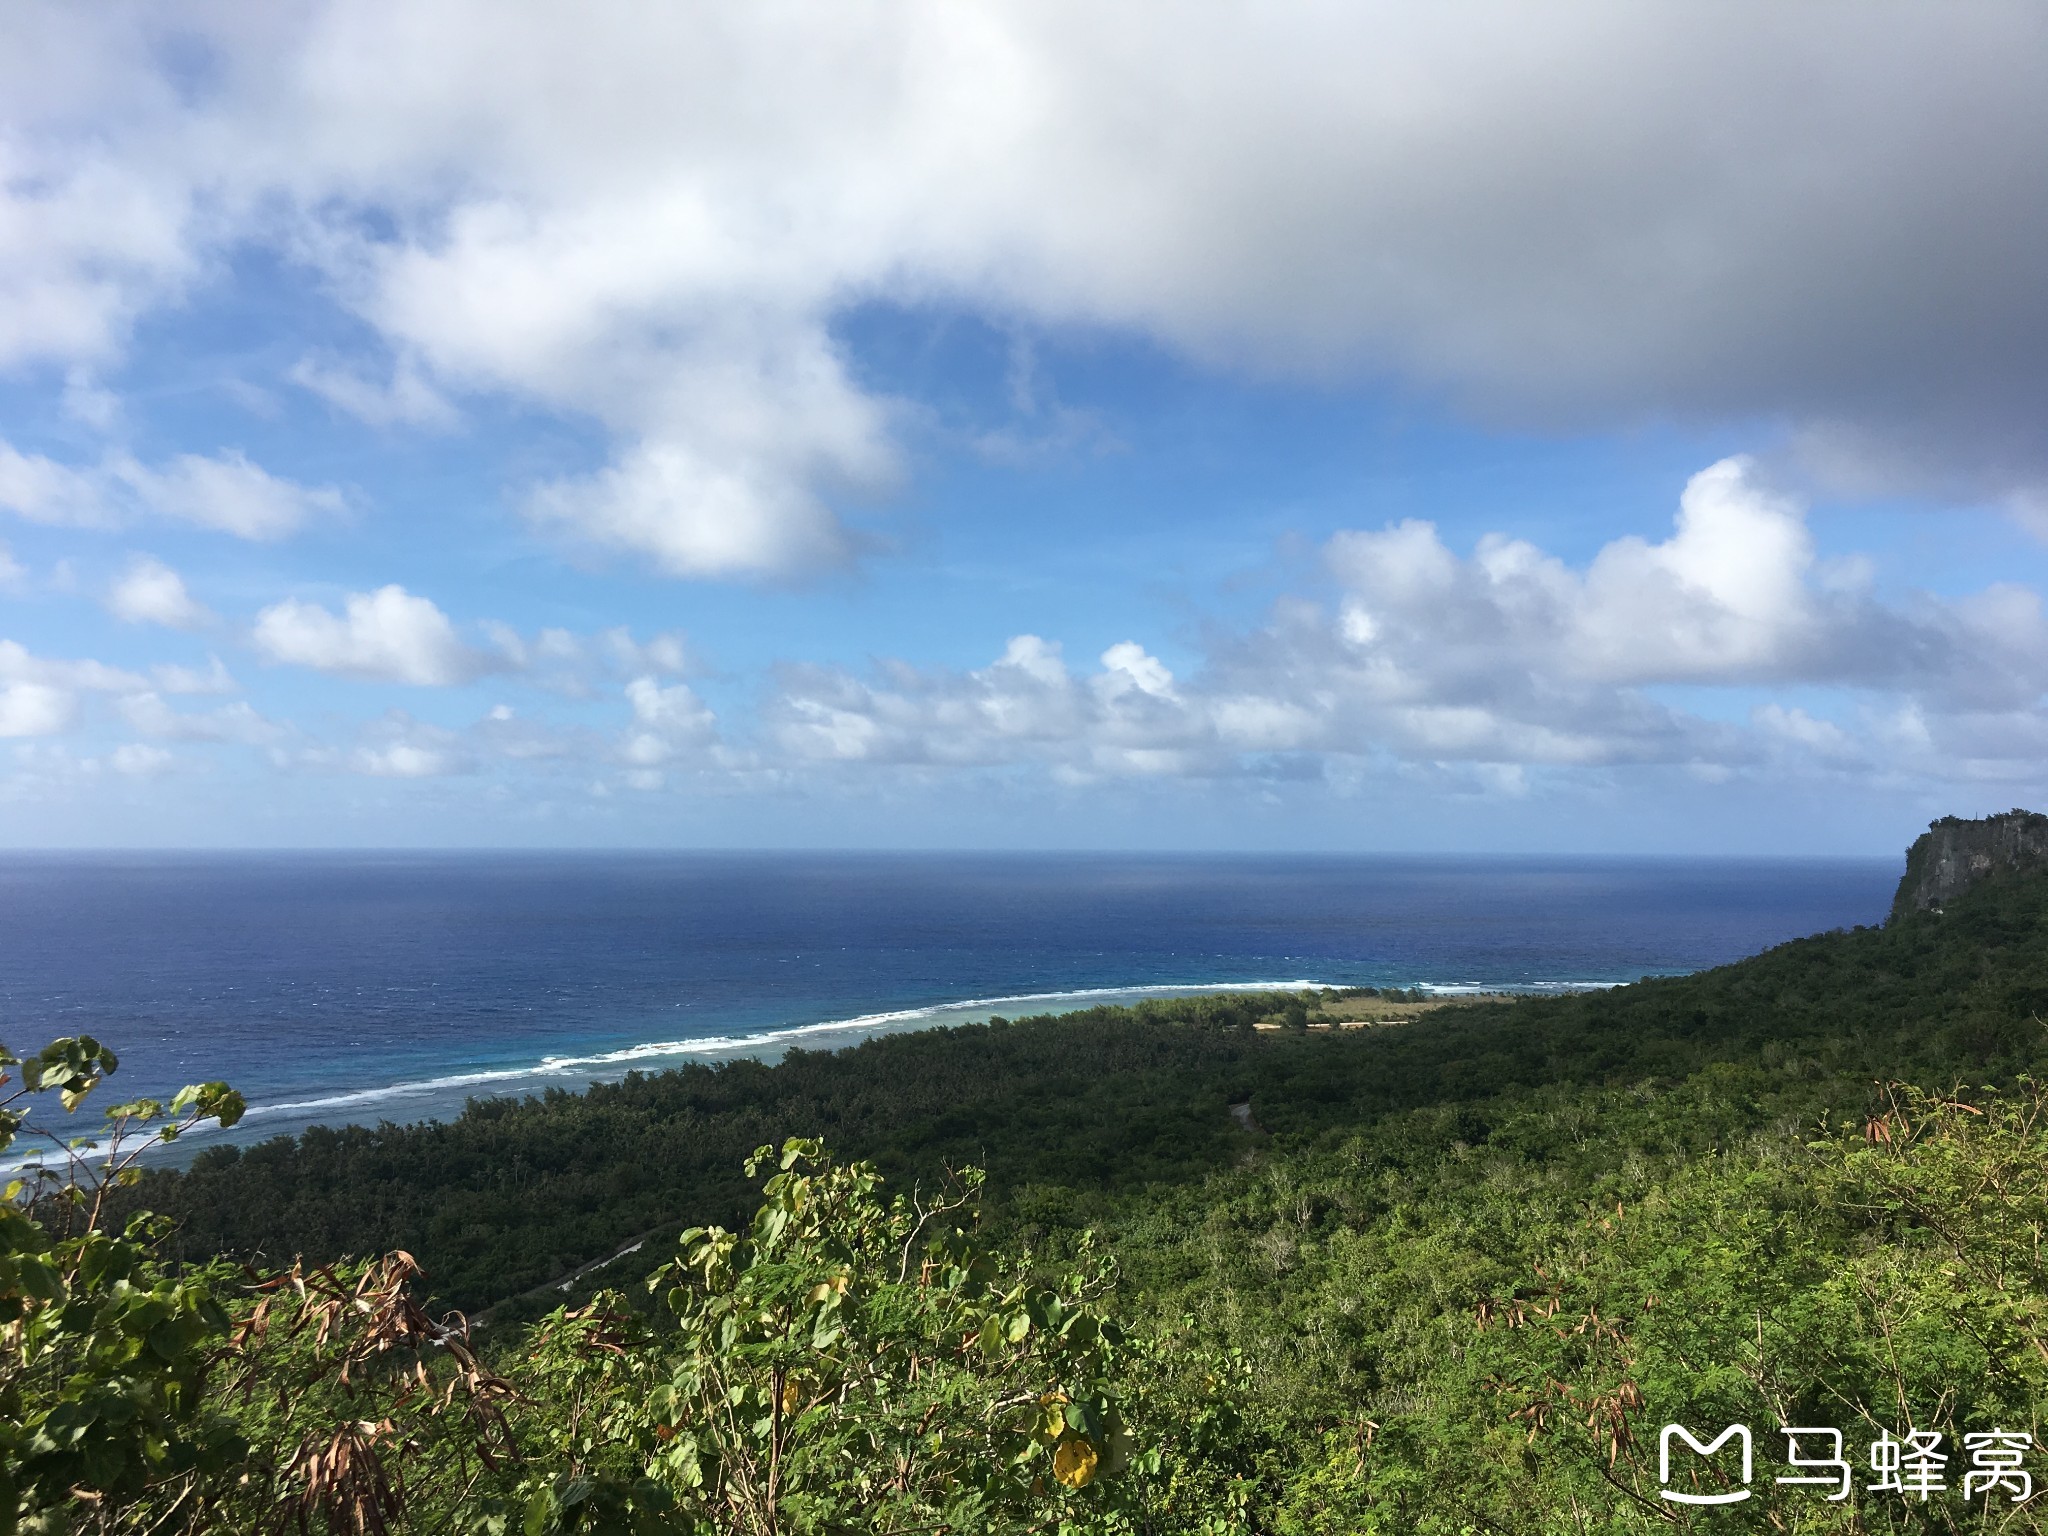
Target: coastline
{"x":331,"y":990}
{"x":759,"y":1045}
{"x":443,"y":1096}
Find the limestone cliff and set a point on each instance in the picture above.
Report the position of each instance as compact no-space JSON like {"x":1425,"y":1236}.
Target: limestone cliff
{"x":1953,"y":855}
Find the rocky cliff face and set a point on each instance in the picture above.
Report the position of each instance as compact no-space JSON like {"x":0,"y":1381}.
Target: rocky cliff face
{"x":1952,"y":855}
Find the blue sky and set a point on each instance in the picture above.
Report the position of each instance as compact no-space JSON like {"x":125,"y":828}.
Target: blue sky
{"x":1620,"y":427}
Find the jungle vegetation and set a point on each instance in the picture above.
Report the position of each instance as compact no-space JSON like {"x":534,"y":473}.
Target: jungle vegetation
{"x":1450,"y":1275}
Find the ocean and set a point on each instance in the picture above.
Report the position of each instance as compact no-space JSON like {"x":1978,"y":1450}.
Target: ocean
{"x":356,"y":987}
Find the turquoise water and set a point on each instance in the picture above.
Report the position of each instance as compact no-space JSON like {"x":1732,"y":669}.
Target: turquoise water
{"x":359,"y":987}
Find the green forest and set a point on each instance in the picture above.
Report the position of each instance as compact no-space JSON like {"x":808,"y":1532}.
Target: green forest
{"x":1129,"y":1270}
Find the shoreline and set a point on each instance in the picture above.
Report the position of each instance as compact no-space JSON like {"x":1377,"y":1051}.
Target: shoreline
{"x":419,"y":1101}
{"x":442,"y":1097}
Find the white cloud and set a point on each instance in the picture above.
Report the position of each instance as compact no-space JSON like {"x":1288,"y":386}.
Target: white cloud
{"x":404,"y":760}
{"x":1126,"y":666}
{"x":1502,"y":661}
{"x":400,"y":747}
{"x":150,"y":592}
{"x":44,"y":491}
{"x":1726,"y":648}
{"x":172,"y":677}
{"x":19,"y":665}
{"x":141,"y":761}
{"x":406,"y":399}
{"x":91,"y":235}
{"x":35,"y":709}
{"x":668,"y":723}
{"x":396,"y":745}
{"x":697,"y":514}
{"x":667,"y":653}
{"x":656,"y":219}
{"x":238,"y":723}
{"x":226,"y":493}
{"x":1733,"y":597}
{"x":388,"y":635}
{"x":1726,"y":597}
{"x":1025,"y":706}
{"x":39,"y":695}
{"x":88,"y":404}
{"x":1823,"y":738}
{"x":504,"y":733}
{"x":582,"y":666}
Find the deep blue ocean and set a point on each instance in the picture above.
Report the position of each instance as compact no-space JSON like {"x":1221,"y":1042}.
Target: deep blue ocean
{"x":356,"y":987}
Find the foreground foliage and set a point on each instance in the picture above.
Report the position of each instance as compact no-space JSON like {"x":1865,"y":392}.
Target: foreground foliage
{"x":1407,"y":1333}
{"x":105,"y":1356}
{"x":845,"y":1363}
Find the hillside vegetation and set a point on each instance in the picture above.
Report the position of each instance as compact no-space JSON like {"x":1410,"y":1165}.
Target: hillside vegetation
{"x":1454,"y":1276}
{"x":1113,"y":1101}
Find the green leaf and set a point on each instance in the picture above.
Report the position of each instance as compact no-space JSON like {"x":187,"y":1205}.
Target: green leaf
{"x":214,"y":1101}
{"x":39,"y":1278}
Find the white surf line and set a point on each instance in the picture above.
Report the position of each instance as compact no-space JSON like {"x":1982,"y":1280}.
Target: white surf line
{"x":1512,"y":988}
{"x":715,"y":1045}
{"x":598,"y":1264}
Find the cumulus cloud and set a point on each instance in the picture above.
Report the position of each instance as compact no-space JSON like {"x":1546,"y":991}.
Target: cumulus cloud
{"x":1726,"y":598}
{"x":19,"y":665}
{"x":1735,"y":596}
{"x":1505,"y":660}
{"x":657,"y":220}
{"x":697,"y":514}
{"x":39,"y":695}
{"x":226,"y":493}
{"x":668,"y":723}
{"x":150,"y":592}
{"x":388,"y":635}
{"x":665,"y":654}
{"x":1025,"y":706}
{"x":583,"y":666}
{"x":400,"y":747}
{"x":1726,"y":647}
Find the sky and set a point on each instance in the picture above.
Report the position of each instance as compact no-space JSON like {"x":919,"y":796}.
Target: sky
{"x":1594,"y":427}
